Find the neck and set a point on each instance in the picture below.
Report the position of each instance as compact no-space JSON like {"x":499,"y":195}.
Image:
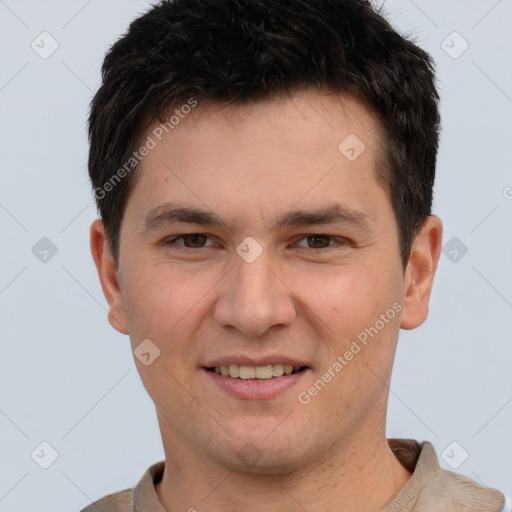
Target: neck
{"x":362,"y":474}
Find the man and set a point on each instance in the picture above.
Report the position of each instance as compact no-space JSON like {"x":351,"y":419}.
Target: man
{"x":264,"y":172}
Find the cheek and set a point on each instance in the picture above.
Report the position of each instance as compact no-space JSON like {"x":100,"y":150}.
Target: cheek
{"x":167,"y":304}
{"x":348,"y":298}
{"x":361,"y":309}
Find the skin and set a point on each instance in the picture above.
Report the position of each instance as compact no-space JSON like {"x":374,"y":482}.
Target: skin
{"x":250,"y":164}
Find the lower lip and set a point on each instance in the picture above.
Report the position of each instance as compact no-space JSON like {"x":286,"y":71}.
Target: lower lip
{"x":253,"y":389}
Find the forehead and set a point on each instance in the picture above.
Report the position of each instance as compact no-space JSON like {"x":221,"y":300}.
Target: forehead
{"x":262,"y":154}
{"x":309,"y":116}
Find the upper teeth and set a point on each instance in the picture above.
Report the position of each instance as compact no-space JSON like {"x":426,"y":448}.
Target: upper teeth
{"x":255,"y":372}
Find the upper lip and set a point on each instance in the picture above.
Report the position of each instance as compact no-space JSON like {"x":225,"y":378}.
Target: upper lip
{"x":254,"y":361}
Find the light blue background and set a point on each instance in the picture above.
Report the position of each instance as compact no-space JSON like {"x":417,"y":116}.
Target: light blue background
{"x":69,"y":379}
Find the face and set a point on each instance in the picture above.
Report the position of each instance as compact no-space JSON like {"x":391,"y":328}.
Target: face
{"x":254,"y":243}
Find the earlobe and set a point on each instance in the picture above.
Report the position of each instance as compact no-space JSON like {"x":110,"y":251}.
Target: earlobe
{"x":107,"y":272}
{"x":420,"y":271}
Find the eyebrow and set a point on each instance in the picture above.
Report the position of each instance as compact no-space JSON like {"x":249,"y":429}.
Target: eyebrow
{"x":169,"y":213}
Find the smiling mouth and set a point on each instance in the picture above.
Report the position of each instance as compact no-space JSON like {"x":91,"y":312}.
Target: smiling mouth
{"x":267,"y":372}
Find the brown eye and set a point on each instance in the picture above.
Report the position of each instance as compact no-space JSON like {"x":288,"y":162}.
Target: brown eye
{"x":189,"y":241}
{"x":194,"y":241}
{"x":318,"y":241}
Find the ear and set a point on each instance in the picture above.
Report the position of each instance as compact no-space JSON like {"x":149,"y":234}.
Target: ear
{"x":420,"y":271}
{"x":107,"y":272}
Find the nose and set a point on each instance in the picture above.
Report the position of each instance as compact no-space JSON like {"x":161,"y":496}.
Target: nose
{"x":254,"y":298}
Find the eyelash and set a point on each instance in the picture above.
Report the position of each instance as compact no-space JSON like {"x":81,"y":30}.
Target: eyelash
{"x":339,"y":242}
